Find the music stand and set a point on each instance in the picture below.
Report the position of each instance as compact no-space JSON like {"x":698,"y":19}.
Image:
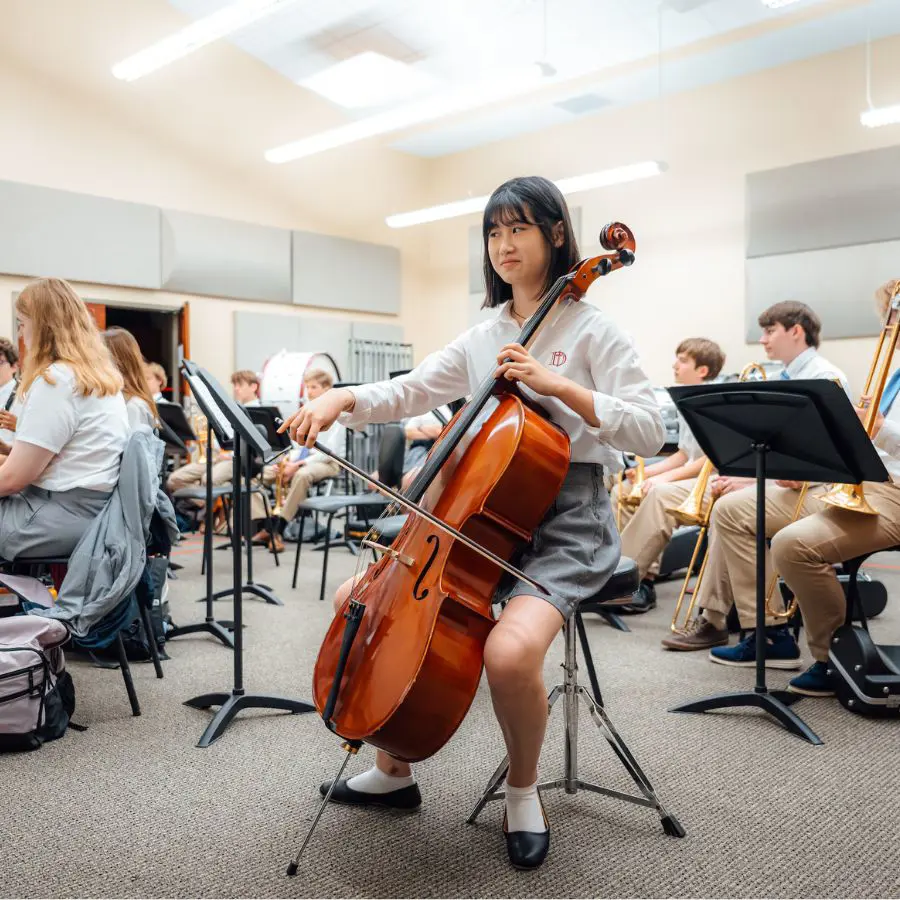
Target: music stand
{"x":225,"y":411}
{"x":179,"y":425}
{"x":174,"y":427}
{"x":792,"y":430}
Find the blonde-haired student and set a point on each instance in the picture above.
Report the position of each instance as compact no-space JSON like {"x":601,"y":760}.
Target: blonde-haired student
{"x":71,"y":430}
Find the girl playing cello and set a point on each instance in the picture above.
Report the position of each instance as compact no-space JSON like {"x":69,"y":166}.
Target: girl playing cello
{"x":585,"y":374}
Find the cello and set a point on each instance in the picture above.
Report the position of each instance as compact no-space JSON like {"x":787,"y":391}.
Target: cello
{"x":402,"y":660}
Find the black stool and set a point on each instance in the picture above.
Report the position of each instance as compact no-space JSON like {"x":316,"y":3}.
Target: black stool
{"x":571,"y":691}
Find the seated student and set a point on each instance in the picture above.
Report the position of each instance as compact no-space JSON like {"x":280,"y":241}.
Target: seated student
{"x":303,"y":470}
{"x":9,"y":408}
{"x":157,"y":380}
{"x":648,"y":528}
{"x":126,"y":355}
{"x":805,"y":552}
{"x":790,"y":334}
{"x":71,"y":431}
{"x":245,"y":389}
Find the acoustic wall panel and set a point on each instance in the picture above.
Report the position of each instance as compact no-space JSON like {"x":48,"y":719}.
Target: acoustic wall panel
{"x":46,"y":232}
{"x":225,"y":258}
{"x":838,"y":283}
{"x":257,"y":336}
{"x":838,"y":202}
{"x":376,"y":331}
{"x":344,"y":274}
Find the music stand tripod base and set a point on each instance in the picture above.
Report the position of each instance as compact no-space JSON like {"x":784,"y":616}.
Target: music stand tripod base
{"x":572,"y":692}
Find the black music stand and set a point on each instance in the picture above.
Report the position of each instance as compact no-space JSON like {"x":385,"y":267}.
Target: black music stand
{"x":178,"y":423}
{"x":790,"y":430}
{"x":174,"y":427}
{"x":229,"y":416}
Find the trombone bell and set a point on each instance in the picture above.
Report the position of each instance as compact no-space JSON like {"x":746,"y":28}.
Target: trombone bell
{"x":850,"y":497}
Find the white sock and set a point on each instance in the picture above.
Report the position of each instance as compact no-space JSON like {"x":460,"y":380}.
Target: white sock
{"x":374,"y":781}
{"x":523,"y":809}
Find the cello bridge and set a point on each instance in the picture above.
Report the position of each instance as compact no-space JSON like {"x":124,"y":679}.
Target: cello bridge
{"x":390,"y":551}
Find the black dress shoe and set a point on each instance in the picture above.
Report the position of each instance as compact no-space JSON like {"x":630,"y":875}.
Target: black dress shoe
{"x":527,"y":849}
{"x":407,"y":798}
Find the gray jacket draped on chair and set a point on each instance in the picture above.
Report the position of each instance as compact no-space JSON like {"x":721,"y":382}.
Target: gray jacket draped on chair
{"x":108,"y":561}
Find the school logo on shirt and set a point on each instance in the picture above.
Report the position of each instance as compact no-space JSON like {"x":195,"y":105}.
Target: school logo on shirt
{"x":558,"y":358}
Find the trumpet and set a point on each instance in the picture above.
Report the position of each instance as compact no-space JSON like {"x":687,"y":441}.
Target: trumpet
{"x":696,"y":509}
{"x":851,"y":496}
{"x":279,"y":487}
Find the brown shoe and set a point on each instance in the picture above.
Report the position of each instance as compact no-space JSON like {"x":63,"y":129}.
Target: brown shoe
{"x":701,"y":635}
{"x":279,"y":544}
{"x":261,"y":537}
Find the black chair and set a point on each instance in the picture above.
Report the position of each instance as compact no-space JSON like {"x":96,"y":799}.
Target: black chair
{"x":367,"y":504}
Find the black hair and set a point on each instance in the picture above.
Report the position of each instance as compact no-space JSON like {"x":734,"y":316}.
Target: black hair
{"x":537,"y":201}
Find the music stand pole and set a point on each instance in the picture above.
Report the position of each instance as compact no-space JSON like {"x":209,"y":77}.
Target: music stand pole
{"x":231,"y":704}
{"x":209,"y":623}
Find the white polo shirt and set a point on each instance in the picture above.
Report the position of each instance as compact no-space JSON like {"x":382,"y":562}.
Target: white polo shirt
{"x":87,"y":434}
{"x":577,"y":341}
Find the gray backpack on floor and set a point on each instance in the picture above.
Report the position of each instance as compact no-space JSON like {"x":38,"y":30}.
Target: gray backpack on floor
{"x":36,"y":692}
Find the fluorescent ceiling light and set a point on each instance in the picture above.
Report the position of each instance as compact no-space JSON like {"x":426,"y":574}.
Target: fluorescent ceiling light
{"x":572,"y":185}
{"x":497,"y":87}
{"x":202,"y":32}
{"x":777,"y":4}
{"x":876,"y":116}
{"x":368,"y":79}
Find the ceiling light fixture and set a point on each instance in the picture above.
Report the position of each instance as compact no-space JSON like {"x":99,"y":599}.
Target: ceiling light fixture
{"x":572,"y":185}
{"x":200,"y":33}
{"x":510,"y":83}
{"x":368,"y":79}
{"x":876,"y":116}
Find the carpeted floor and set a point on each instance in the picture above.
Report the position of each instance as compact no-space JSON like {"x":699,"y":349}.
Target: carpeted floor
{"x":132,"y":808}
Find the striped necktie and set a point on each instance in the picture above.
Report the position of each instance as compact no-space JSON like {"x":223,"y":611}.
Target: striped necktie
{"x":891,"y":389}
{"x":784,"y":375}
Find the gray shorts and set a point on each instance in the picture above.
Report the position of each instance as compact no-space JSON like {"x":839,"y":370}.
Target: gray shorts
{"x":36,"y":522}
{"x":575,"y":549}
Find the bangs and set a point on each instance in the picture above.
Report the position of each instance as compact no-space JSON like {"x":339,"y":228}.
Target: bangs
{"x":506,"y":208}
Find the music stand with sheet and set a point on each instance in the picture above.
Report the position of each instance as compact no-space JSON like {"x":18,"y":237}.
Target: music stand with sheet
{"x":221,"y":411}
{"x":175,"y":414}
{"x":804,"y":430}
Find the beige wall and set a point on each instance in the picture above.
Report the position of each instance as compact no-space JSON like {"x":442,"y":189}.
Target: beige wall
{"x":689,"y":224}
{"x":688,"y":279}
{"x":67,"y":140}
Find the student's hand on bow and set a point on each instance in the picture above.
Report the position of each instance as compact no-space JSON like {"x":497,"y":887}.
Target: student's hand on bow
{"x":317,"y":415}
{"x":517,"y":364}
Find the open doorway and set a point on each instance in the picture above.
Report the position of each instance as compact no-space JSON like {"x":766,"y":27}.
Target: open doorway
{"x":162,"y":333}
{"x":157,"y":334}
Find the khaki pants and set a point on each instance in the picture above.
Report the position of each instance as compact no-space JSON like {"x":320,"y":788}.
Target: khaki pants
{"x":805,"y":552}
{"x":306,"y":476}
{"x":648,"y":529}
{"x":257,"y":506}
{"x":194,"y":474}
{"x":730,"y":576}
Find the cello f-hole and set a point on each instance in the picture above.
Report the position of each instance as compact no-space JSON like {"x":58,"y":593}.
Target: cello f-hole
{"x":431,"y":539}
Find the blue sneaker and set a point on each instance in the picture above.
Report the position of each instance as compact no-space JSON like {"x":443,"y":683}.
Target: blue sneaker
{"x":814,"y":682}
{"x":782,"y":651}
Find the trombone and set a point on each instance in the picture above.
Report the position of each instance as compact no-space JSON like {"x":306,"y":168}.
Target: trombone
{"x":696,"y":510}
{"x":851,"y":496}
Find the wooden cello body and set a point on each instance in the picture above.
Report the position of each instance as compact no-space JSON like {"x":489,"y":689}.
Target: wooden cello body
{"x":428,"y":604}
